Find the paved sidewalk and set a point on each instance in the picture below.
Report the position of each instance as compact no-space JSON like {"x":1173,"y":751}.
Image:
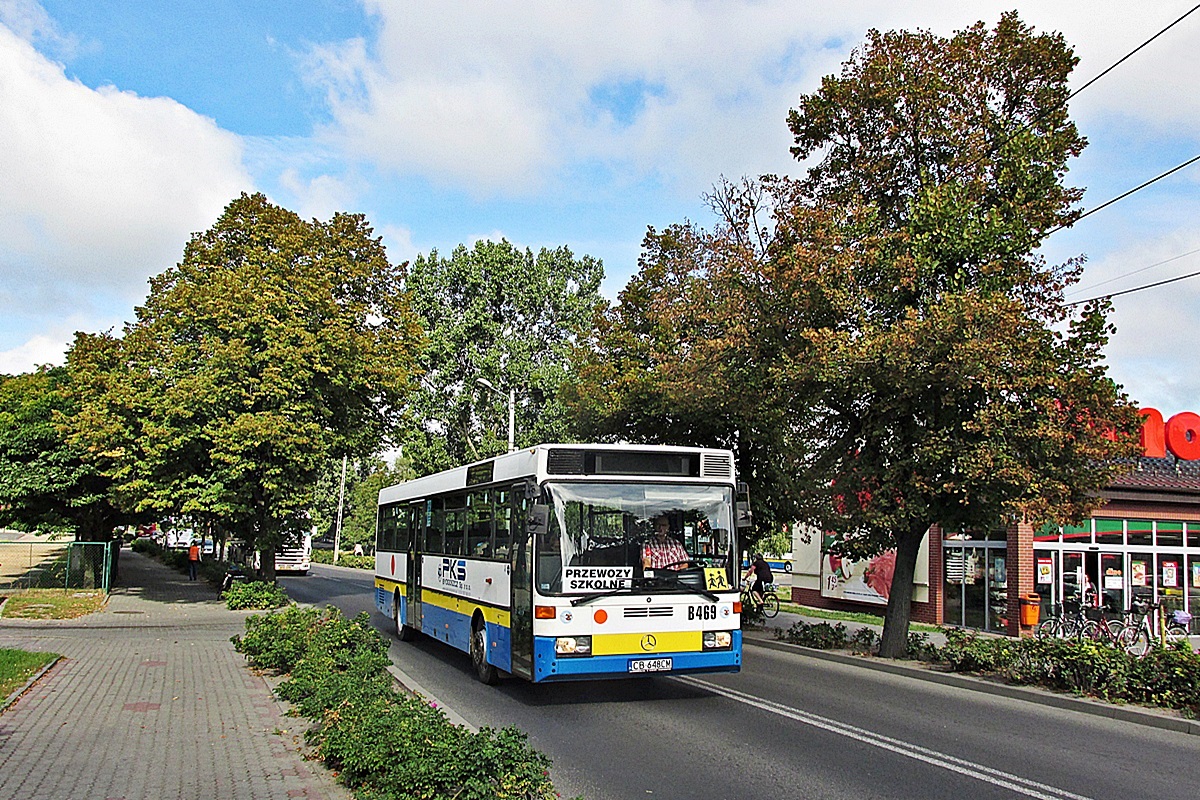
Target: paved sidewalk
{"x":150,"y":702}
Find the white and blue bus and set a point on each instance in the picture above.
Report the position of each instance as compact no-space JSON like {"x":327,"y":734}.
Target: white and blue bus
{"x":537,"y":562}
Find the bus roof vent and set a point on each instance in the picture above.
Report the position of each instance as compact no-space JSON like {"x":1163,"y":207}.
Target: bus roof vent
{"x":716,"y":465}
{"x":564,"y":462}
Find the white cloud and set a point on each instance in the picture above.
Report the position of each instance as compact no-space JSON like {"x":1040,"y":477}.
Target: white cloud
{"x":500,"y":99}
{"x":102,"y":187}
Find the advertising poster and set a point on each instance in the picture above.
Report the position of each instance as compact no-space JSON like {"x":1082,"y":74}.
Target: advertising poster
{"x":1196,"y":574}
{"x":1170,"y":574}
{"x":861,"y":581}
{"x":1045,"y":571}
{"x":1137,"y":571}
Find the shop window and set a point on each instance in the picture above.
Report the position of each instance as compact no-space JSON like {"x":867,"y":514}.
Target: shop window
{"x":1110,"y":531}
{"x":1193,"y":534}
{"x":1078,"y":534}
{"x":1141,"y":576}
{"x":1141,"y":532}
{"x":997,"y":535}
{"x":1170,"y":534}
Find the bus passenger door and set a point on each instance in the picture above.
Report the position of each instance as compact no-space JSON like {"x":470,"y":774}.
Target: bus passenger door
{"x":416,"y":526}
{"x":521,"y":609}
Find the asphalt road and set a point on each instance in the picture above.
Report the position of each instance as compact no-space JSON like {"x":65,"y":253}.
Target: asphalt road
{"x":790,"y":725}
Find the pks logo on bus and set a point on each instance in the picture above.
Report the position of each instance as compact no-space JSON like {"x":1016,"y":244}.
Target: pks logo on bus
{"x":453,"y":569}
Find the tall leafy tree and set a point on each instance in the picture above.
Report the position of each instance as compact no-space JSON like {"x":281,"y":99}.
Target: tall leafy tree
{"x":509,"y":317}
{"x":952,"y":384}
{"x":275,"y":345}
{"x":45,"y":483}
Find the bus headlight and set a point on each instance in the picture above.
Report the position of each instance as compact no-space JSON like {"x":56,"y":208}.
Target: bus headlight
{"x":573,"y":645}
{"x":718,"y":640}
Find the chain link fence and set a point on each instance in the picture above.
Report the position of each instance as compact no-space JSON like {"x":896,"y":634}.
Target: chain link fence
{"x":58,"y":565}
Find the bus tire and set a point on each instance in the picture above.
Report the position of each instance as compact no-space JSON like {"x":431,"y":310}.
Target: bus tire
{"x":403,"y":632}
{"x":479,"y":645}
{"x":787,"y":566}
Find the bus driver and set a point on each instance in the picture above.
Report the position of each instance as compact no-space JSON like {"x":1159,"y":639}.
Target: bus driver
{"x":664,"y":550}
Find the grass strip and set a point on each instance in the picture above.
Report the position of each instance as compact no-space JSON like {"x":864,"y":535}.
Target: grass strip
{"x":18,"y":666}
{"x":53,"y":603}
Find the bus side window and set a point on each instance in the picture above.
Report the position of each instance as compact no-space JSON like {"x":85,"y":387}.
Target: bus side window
{"x":433,"y":528}
{"x":456,"y":513}
{"x":503,"y":514}
{"x":401,"y":542}
{"x":479,"y":525}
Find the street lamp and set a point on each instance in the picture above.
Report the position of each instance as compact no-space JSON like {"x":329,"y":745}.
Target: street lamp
{"x":512,"y":410}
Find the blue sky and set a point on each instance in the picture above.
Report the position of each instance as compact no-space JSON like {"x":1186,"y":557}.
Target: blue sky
{"x":126,"y":126}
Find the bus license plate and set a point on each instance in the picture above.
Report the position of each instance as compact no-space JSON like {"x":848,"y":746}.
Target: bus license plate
{"x":650,"y":665}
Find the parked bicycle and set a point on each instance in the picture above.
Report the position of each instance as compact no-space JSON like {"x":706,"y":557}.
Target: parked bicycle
{"x":1099,"y":628}
{"x":1062,"y":623}
{"x":769,"y":606}
{"x":1142,"y":634}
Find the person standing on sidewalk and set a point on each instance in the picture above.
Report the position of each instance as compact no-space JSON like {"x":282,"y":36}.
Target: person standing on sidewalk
{"x":193,"y":559}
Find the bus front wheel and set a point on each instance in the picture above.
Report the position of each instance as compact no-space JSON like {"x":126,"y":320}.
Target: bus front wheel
{"x":483,"y":670}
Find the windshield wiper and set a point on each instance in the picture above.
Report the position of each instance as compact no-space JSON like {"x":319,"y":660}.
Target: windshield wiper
{"x":591,"y":598}
{"x":673,"y":580}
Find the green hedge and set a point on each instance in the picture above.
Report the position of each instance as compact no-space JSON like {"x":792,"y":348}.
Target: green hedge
{"x":384,"y":744}
{"x":344,"y":559}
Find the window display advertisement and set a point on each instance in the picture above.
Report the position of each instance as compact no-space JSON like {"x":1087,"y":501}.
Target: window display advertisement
{"x":862,"y":581}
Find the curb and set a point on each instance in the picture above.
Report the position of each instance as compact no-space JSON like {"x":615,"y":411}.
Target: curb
{"x":12,"y":698}
{"x":1042,"y":697}
{"x":410,"y":685}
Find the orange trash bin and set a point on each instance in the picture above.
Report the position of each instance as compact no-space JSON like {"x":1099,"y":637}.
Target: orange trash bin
{"x":1031,"y":609}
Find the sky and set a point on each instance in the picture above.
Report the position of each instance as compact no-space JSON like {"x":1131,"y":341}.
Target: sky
{"x":128,"y":125}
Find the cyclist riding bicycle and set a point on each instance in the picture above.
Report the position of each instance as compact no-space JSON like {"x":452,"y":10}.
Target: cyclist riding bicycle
{"x":760,"y":571}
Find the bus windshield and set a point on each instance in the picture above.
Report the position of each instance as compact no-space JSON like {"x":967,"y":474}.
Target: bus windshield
{"x":611,"y":536}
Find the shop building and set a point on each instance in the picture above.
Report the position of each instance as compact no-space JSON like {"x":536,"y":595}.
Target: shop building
{"x":1143,"y":542}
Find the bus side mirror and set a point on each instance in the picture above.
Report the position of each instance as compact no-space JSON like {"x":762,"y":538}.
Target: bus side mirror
{"x":743,"y":516}
{"x":538,"y":521}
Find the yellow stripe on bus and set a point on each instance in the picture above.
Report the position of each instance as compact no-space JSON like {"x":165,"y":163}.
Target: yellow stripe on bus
{"x":390,"y":586}
{"x":496,"y":616}
{"x":615,"y":644}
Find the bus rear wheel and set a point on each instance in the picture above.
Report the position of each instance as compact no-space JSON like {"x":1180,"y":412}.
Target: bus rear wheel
{"x":403,"y":632}
{"x":483,"y":670}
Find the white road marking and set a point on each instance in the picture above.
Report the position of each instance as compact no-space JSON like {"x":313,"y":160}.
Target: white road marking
{"x":996,"y":777}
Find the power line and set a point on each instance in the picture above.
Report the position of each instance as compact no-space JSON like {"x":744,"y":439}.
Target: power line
{"x":1131,"y":52}
{"x":1122,"y":196}
{"x":1134,"y":289}
{"x":1089,"y":287}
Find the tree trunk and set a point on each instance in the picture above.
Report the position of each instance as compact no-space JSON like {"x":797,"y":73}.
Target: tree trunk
{"x":899,"y":608}
{"x":267,"y":564}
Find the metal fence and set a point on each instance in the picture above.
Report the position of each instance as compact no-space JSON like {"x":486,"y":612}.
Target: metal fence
{"x":58,"y":565}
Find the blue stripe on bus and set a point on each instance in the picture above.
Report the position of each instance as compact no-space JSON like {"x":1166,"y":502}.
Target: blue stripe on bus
{"x":548,"y":667}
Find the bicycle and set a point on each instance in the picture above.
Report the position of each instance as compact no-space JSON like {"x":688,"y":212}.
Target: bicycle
{"x":1099,"y":628}
{"x":1140,"y":636}
{"x":770,"y":602}
{"x":1062,"y":624}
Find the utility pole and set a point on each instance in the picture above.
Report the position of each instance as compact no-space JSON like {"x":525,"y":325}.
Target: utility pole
{"x":337,"y":531}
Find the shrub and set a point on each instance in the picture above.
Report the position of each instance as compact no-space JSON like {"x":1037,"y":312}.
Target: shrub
{"x":966,"y":651}
{"x":820,"y":635}
{"x":277,"y":640}
{"x":864,"y":640}
{"x":385,"y":745}
{"x":344,"y":559}
{"x":254,"y":594}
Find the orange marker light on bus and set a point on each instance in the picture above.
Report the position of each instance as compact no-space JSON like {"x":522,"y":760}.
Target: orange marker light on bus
{"x":544,"y":612}
{"x":601,"y":616}
{"x":737,"y":606}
